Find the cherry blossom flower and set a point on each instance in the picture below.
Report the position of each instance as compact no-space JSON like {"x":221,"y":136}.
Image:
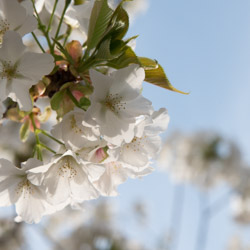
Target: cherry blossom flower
{"x":19,"y":70}
{"x":117,"y":102}
{"x":146,"y":143}
{"x":75,"y":132}
{"x":48,"y":5}
{"x":70,"y":15}
{"x":16,"y":188}
{"x":67,"y":179}
{"x":93,"y":151}
{"x":117,"y":173}
{"x":13,"y":16}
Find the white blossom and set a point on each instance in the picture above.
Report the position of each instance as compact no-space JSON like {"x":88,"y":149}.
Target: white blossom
{"x":146,"y":142}
{"x":19,"y":70}
{"x":115,"y":139}
{"x":16,"y":188}
{"x":236,"y":243}
{"x":203,"y":159}
{"x":13,"y":16}
{"x":75,"y":132}
{"x":67,"y":179}
{"x":70,"y":15}
{"x":117,"y":102}
{"x":240,"y":207}
{"x":117,"y":173}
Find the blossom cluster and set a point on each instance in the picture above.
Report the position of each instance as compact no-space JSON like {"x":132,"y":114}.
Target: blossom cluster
{"x":105,"y":130}
{"x":204,"y":159}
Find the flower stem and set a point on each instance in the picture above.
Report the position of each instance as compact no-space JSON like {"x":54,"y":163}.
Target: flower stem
{"x":47,"y":148}
{"x":51,"y":137}
{"x":52,"y":16}
{"x":37,"y":41}
{"x":68,"y":32}
{"x":42,"y":27}
{"x":61,"y":20}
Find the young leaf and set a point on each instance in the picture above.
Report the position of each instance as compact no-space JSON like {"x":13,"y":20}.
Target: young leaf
{"x":127,"y":58}
{"x":120,"y":21}
{"x":99,"y":20}
{"x":155,"y":74}
{"x":84,"y":103}
{"x":56,"y":100}
{"x":104,"y":50}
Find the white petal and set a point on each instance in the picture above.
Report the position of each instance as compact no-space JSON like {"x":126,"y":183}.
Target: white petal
{"x":160,"y":122}
{"x":133,"y":157}
{"x":12,"y":48}
{"x":35,"y":65}
{"x":94,"y":171}
{"x":139,"y":106}
{"x":20,"y":94}
{"x":80,"y":186}
{"x":112,"y":177}
{"x":31,"y":205}
{"x":58,"y":185}
{"x":132,"y":75}
{"x":101,"y":83}
{"x":28,"y":26}
{"x":14,"y":12}
{"x":83,"y":13}
{"x":7,"y":169}
{"x":56,"y":131}
{"x":31,"y":163}
{"x":8,"y":191}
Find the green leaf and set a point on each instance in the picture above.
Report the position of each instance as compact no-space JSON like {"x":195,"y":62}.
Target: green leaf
{"x":117,"y":48}
{"x":59,"y":58}
{"x":56,"y":100}
{"x":86,"y":90}
{"x":24,"y":131}
{"x":127,"y":58}
{"x":104,"y":50}
{"x":111,"y":45}
{"x":84,"y":103}
{"x":98,"y":24}
{"x":110,"y":51}
{"x":120,"y":22}
{"x":154,"y":73}
{"x":78,"y":2}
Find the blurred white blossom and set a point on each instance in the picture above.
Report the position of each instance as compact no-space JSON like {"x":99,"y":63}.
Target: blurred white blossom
{"x":203,"y":159}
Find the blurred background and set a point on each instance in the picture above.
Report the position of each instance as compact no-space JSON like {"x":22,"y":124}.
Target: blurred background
{"x":198,"y":196}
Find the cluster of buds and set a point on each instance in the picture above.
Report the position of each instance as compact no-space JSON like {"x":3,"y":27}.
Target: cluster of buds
{"x":105,"y":131}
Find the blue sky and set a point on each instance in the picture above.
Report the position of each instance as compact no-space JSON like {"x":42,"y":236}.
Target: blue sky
{"x":204,"y":47}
